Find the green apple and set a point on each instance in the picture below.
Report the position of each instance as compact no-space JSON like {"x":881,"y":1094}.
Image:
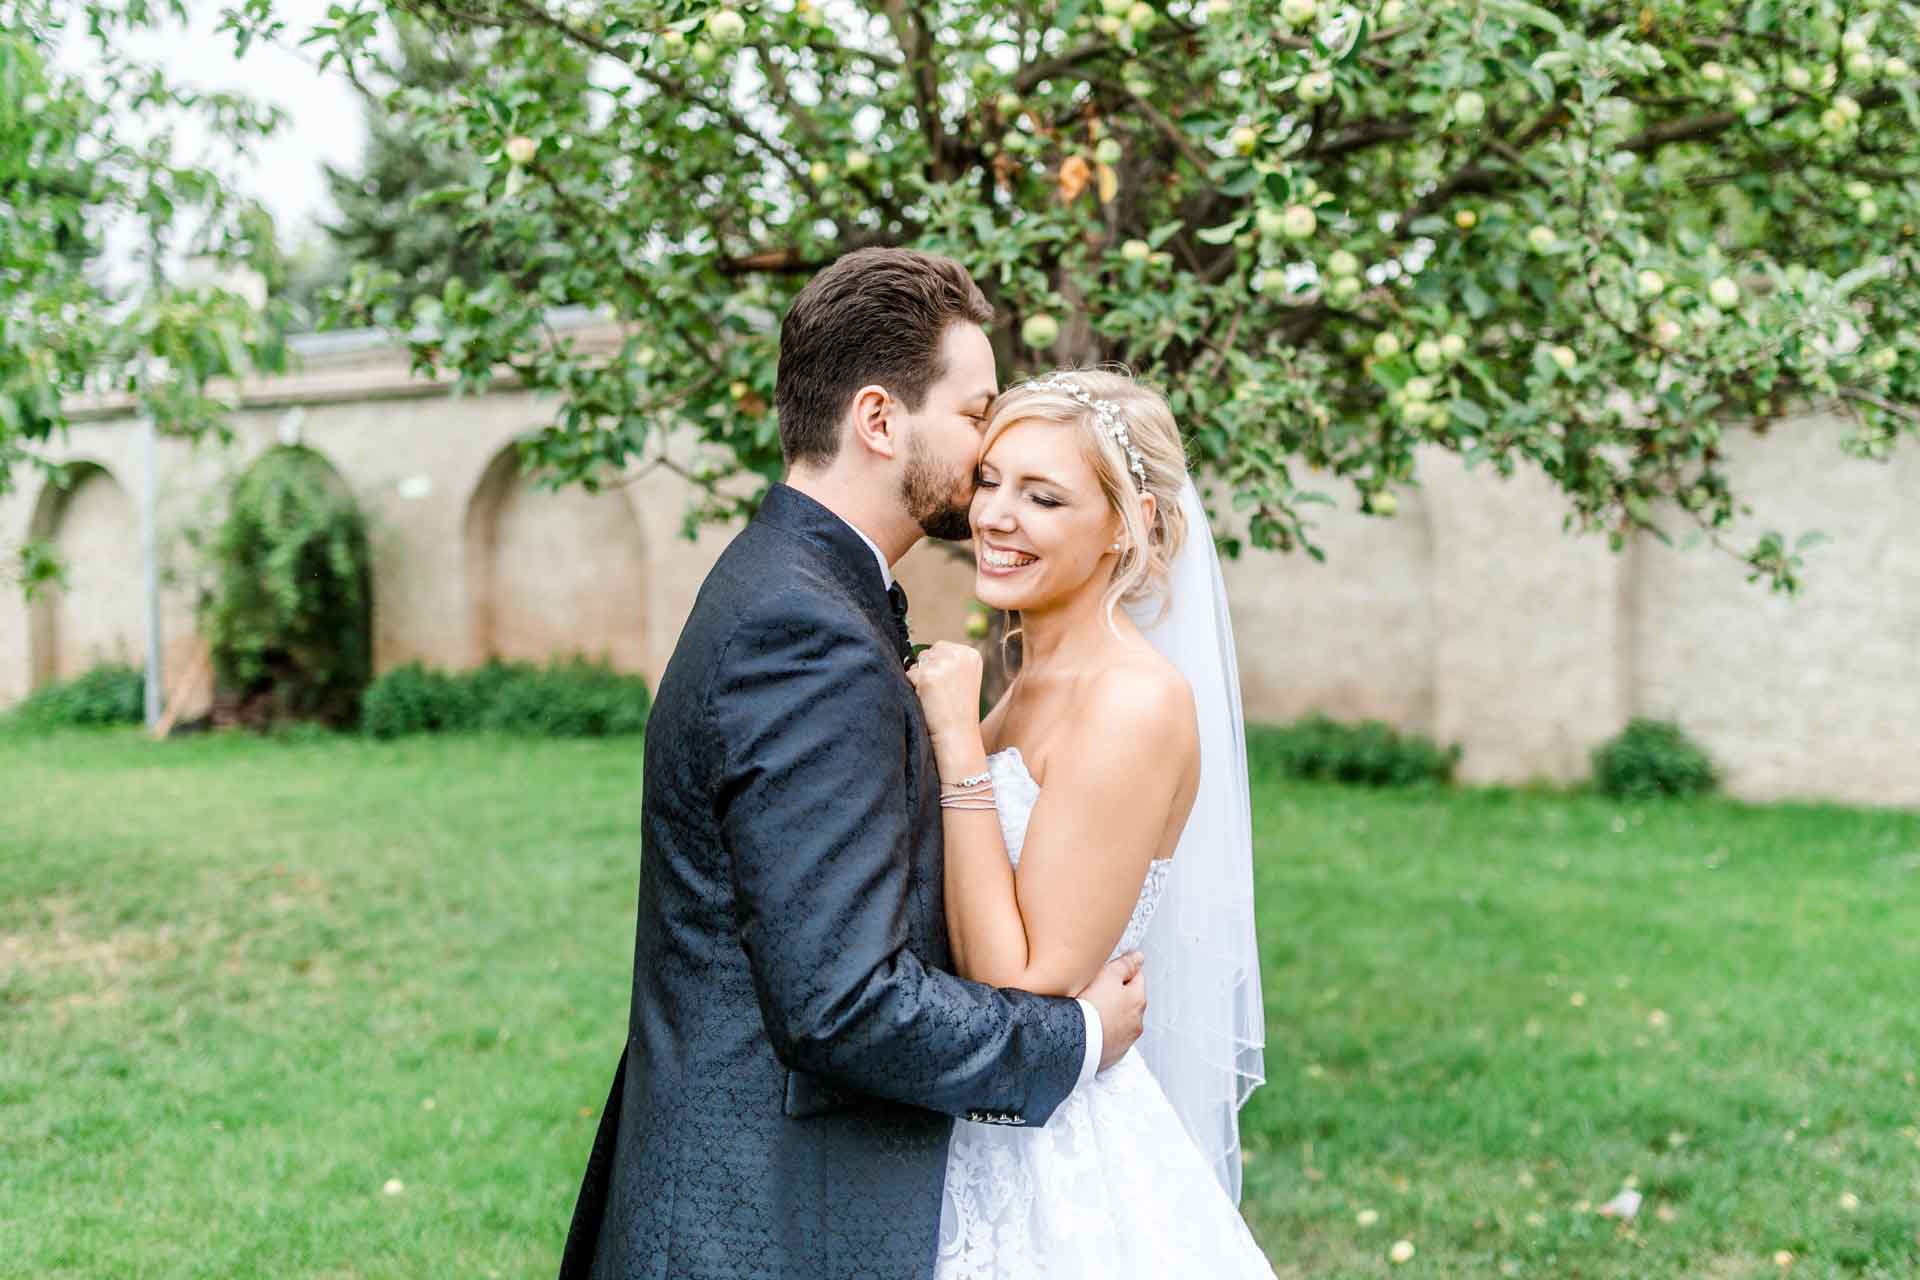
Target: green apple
{"x":1453,"y":346}
{"x":1744,"y":98}
{"x":1111,"y":27}
{"x":1867,"y":210}
{"x":1316,"y":87}
{"x":1382,"y":503}
{"x":1040,"y":330}
{"x":1108,"y":151}
{"x":1898,"y":68}
{"x":1847,"y":106}
{"x":703,"y":53}
{"x":1270,"y":280}
{"x":1270,"y":221}
{"x":644,"y":356}
{"x":1245,"y":140}
{"x":1115,"y":8}
{"x":673,"y":44}
{"x":1854,"y":41}
{"x":1835,"y":121}
{"x":976,"y":625}
{"x":1857,"y":190}
{"x":725,"y":26}
{"x":1342,"y":290}
{"x":1651,"y":284}
{"x":1428,"y":356}
{"x":1469,"y":109}
{"x":1563,"y":356}
{"x":1385,"y":345}
{"x":1300,"y":222}
{"x":1296,"y":13}
{"x":1541,"y":239}
{"x":1883,"y":359}
{"x":520,"y":150}
{"x":1008,"y":104}
{"x":1140,"y":15}
{"x":1712,"y":72}
{"x":1796,"y":78}
{"x":1419,"y":388}
{"x":1391,"y":12}
{"x":1666,"y":331}
{"x":858,"y":161}
{"x":1724,"y":293}
{"x":1860,"y":66}
{"x":1136,"y":251}
{"x":1465,"y":219}
{"x":819,"y":171}
{"x":1696,"y":497}
{"x":1342,"y":263}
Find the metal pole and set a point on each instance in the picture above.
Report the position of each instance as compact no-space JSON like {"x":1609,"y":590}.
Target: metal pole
{"x":150,"y":553}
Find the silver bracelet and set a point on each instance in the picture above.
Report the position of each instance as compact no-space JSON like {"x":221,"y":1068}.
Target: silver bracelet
{"x":976,"y":780}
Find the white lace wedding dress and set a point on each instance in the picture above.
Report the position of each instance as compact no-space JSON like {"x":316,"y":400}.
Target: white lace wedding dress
{"x":1111,"y":1187}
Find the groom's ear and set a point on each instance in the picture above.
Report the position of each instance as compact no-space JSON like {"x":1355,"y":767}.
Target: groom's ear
{"x":876,"y":421}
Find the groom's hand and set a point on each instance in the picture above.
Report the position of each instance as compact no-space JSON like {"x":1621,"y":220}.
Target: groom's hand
{"x":1119,"y":994}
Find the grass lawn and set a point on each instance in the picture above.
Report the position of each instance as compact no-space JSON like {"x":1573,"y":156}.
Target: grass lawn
{"x":245,"y":984}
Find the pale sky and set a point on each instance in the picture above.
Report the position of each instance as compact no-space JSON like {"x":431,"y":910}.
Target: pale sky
{"x":325,"y":123}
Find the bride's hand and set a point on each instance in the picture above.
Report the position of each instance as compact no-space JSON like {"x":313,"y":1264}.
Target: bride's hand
{"x":947,"y":678}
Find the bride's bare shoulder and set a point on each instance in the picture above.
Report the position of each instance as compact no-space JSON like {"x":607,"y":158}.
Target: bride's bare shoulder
{"x":1138,"y":697}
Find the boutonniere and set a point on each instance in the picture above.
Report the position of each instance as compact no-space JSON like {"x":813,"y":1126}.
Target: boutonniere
{"x":913,"y":653}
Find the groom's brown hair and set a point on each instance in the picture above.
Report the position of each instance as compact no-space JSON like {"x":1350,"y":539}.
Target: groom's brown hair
{"x":874,"y":316}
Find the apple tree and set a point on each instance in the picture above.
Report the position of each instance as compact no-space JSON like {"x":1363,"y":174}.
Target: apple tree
{"x":1590,"y":239}
{"x":87,"y":152}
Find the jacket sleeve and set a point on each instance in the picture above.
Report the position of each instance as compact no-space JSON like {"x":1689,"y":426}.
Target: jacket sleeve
{"x":813,"y":732}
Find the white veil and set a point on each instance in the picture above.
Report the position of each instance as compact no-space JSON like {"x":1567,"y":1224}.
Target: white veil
{"x":1205,"y":1027}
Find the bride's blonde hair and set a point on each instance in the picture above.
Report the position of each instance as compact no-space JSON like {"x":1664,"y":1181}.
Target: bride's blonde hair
{"x":1146,"y":554}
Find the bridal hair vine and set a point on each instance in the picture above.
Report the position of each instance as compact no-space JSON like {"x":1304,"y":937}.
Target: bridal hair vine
{"x":1106,"y":416}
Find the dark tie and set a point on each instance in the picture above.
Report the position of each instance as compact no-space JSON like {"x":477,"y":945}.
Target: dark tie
{"x":897,"y":597}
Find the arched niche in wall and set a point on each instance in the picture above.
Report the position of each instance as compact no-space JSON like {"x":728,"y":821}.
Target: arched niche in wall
{"x":553,"y":573}
{"x":96,"y":615}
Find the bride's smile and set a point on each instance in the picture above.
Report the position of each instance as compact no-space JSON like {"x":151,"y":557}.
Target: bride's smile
{"x":1043,"y":530}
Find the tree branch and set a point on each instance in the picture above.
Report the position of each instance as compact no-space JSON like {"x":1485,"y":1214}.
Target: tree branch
{"x":538,"y":15}
{"x":1365,"y":134}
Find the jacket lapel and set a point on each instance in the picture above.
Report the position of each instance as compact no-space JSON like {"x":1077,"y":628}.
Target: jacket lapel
{"x":843,"y":550}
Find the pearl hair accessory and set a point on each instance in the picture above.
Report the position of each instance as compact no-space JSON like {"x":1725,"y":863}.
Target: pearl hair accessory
{"x":1106,"y":416}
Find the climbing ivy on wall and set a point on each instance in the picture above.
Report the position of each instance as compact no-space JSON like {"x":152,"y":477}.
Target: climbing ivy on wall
{"x":289,"y":614}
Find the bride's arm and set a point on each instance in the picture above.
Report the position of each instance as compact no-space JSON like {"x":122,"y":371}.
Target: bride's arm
{"x":1109,"y":794}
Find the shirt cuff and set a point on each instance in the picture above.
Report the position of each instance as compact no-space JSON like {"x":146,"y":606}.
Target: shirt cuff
{"x":1096,"y":1042}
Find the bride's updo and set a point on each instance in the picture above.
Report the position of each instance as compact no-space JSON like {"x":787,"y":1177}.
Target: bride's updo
{"x":1146,"y":556}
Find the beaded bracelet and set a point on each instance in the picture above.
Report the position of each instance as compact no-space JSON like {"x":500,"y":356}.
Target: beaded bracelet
{"x":974,"y":792}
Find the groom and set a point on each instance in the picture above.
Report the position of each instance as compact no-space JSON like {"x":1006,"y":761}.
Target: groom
{"x":795,"y":1052}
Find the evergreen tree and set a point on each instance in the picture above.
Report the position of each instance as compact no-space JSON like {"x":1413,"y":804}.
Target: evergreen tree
{"x":378,"y":222}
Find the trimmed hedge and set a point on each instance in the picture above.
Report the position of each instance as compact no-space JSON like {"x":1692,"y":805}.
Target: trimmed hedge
{"x":110,"y":694}
{"x":1651,"y":758}
{"x":571,"y":699}
{"x":1371,"y":754}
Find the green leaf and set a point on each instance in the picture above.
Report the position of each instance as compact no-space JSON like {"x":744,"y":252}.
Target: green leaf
{"x":1469,"y":412}
{"x":1222,"y":233}
{"x":1525,"y":14}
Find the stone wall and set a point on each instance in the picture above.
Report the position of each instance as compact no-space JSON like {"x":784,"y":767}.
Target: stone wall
{"x":1470,"y":616}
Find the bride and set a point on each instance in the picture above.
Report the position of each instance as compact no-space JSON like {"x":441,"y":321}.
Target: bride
{"x":1099,"y":808}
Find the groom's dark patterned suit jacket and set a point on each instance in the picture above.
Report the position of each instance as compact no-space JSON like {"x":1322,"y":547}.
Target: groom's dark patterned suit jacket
{"x":794,"y":1053}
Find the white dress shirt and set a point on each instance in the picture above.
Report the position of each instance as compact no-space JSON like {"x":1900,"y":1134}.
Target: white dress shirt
{"x":1096,"y":1040}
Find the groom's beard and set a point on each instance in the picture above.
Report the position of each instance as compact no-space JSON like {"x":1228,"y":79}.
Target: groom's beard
{"x":936,"y":496}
